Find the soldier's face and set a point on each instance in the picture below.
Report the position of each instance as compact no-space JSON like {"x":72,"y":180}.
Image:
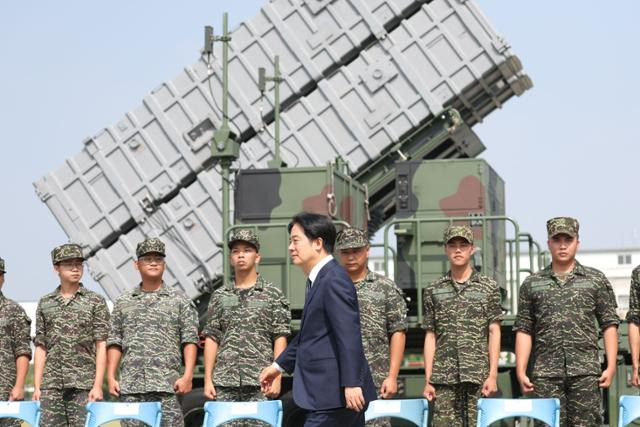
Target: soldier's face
{"x":70,"y":271}
{"x":563,"y":248}
{"x":244,"y":256}
{"x":151,"y":266}
{"x":459,"y":251}
{"x":301,"y":249}
{"x":1,"y":279}
{"x":354,"y":260}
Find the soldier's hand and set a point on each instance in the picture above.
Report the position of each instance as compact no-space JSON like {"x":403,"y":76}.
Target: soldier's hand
{"x":274,"y":389}
{"x":36,"y":394}
{"x":210,"y":390}
{"x":525,"y":385}
{"x":635,"y":378}
{"x":17,"y":393}
{"x":114,"y":387}
{"x":95,"y":394}
{"x":429,"y":392}
{"x":354,"y":398}
{"x":182,"y":385}
{"x":489,"y":387}
{"x":606,"y":378}
{"x":267,"y":376}
{"x":388,"y":388}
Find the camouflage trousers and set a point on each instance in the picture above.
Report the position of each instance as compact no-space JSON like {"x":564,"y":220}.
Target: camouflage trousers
{"x":241,"y":394}
{"x":8,"y":422}
{"x":456,"y":405}
{"x":580,"y":399}
{"x":171,"y":410}
{"x":63,"y":407}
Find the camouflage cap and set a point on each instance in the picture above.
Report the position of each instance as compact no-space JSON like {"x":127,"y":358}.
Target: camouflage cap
{"x":245,"y":235}
{"x":153,"y":244}
{"x":2,"y":270}
{"x":563,"y":225}
{"x":65,"y":252}
{"x":463,"y":231}
{"x":350,"y":238}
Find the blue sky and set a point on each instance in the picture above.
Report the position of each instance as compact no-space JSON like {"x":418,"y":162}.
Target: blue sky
{"x":569,"y":146}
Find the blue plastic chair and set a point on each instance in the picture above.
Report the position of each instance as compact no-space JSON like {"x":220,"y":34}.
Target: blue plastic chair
{"x":99,"y":413}
{"x":629,"y":410}
{"x":545,"y":410}
{"x":216,"y":413}
{"x":413,"y":410}
{"x":25,"y":411}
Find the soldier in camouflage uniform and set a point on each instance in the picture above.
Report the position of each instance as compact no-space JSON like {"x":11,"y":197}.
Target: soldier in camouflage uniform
{"x":383,"y":314}
{"x":247,"y":327}
{"x":633,"y":317}
{"x":558,"y":309}
{"x":462,"y":317}
{"x":15,"y":349}
{"x":72,"y":324}
{"x":153,"y":328}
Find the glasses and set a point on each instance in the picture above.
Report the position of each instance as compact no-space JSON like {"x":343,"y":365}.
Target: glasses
{"x":146,"y":260}
{"x":72,"y":265}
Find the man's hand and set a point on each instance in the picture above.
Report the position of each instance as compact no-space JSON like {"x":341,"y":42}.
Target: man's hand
{"x":490,"y":386}
{"x":267,"y":376}
{"x":95,"y":394}
{"x":635,"y":378}
{"x":274,"y":389}
{"x":429,"y":392}
{"x":526,"y":386}
{"x":389,"y":387}
{"x":210,"y":390}
{"x":114,"y":387}
{"x":17,"y":393}
{"x":606,"y":378}
{"x":182,"y":385}
{"x":36,"y":394}
{"x":354,"y":398}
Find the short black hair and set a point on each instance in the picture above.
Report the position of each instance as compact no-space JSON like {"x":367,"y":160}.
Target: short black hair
{"x":316,"y":226}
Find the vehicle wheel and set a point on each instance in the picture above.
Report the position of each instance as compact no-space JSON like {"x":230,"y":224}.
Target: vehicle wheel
{"x":293,"y":415}
{"x":193,"y":407}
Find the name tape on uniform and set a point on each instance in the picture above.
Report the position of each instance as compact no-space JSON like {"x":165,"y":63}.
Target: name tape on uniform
{"x":126,"y":409}
{"x":10,"y":407}
{"x":244,"y":408}
{"x":518,"y":405}
{"x":386,"y":406}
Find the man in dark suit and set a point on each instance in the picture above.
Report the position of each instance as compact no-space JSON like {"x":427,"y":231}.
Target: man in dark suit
{"x":331,"y":377}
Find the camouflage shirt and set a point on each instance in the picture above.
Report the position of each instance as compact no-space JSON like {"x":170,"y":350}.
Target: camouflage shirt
{"x":383,"y":311}
{"x":68,"y":329}
{"x":562,"y":320}
{"x":460,"y":315}
{"x":15,"y":340}
{"x":633,"y":315}
{"x":151,"y":328}
{"x":245,"y":322}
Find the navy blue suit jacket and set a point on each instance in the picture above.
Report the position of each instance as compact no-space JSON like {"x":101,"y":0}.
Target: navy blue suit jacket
{"x":327,"y":353}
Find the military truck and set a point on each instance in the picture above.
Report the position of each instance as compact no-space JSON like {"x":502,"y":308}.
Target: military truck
{"x":373,"y":116}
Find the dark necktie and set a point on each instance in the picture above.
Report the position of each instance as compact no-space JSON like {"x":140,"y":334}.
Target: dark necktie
{"x":308,"y":289}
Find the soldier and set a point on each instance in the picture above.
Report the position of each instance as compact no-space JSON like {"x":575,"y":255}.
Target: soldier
{"x":558,"y":309}
{"x":72,"y":324}
{"x":383,"y":314}
{"x":15,"y":349}
{"x":152,"y":328}
{"x":247,"y":328}
{"x":462,"y":317}
{"x":633,"y":317}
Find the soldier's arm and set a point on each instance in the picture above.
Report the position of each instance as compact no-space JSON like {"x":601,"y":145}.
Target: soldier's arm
{"x":212,"y":332}
{"x":40,"y":353}
{"x":610,"y":336}
{"x":114,"y":349}
{"x":633,"y":317}
{"x":20,"y":338}
{"x":524,"y":328}
{"x":428,"y":323}
{"x":100,"y":333}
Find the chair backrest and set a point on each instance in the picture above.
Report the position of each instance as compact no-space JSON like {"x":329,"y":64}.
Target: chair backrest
{"x":25,"y":411}
{"x":413,"y":410}
{"x":629,"y":410}
{"x":99,"y":413}
{"x":269,"y":411}
{"x":545,"y":410}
